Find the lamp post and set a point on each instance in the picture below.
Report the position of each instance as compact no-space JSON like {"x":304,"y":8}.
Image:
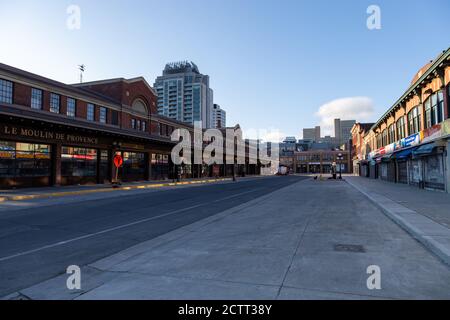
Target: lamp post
{"x":340,"y":157}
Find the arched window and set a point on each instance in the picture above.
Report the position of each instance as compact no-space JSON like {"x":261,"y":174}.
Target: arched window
{"x":400,"y":128}
{"x":139,"y":106}
{"x":414,"y":120}
{"x":384,"y":138}
{"x":391,"y":132}
{"x":434,"y":109}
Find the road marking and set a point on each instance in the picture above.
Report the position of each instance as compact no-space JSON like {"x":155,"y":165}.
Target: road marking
{"x":120,"y":227}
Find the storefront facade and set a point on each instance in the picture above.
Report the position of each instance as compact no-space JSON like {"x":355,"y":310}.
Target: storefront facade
{"x":410,"y":142}
{"x":36,"y":156}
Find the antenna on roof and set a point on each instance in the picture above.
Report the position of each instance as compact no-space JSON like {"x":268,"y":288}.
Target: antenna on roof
{"x":82,"y":68}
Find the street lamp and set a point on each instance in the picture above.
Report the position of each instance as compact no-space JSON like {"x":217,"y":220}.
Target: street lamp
{"x":340,"y":157}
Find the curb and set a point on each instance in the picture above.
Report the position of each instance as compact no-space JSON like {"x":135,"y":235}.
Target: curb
{"x":127,"y":188}
{"x":437,"y":248}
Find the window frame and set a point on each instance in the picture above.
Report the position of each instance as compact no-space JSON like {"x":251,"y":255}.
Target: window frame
{"x":53,"y":100}
{"x":400,"y":128}
{"x":33,"y":99}
{"x":90,"y":112}
{"x":5,"y":94}
{"x":103,"y":115}
{"x":69,"y":113}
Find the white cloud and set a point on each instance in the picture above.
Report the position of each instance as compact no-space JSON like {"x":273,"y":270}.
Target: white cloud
{"x":267,"y":135}
{"x":354,"y":108}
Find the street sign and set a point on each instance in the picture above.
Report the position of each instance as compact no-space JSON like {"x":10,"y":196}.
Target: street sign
{"x":118,"y":161}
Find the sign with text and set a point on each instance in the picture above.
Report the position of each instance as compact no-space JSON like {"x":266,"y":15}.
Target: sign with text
{"x":30,"y":133}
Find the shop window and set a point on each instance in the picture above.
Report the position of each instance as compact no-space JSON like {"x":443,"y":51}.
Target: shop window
{"x":55,"y":101}
{"x":103,"y":115}
{"x":133,"y":165}
{"x":414,"y":120}
{"x":36,"y":99}
{"x":71,"y":107}
{"x":78,"y":162}
{"x":6,"y":91}
{"x":90,"y":112}
{"x":23,"y":160}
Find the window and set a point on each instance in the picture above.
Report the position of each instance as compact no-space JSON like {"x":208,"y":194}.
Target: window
{"x":24,"y":160}
{"x":78,"y":162}
{"x":391,"y":133}
{"x":414,"y":120}
{"x":114,"y":117}
{"x":144,"y":126}
{"x":434,"y":109}
{"x":36,"y":99}
{"x":6,"y":91}
{"x":90,"y":112}
{"x":133,"y":123}
{"x":401,"y":128}
{"x":384,"y":137}
{"x":71,"y":107}
{"x":54,"y":103}
{"x":138,"y":127}
{"x":103,"y":113}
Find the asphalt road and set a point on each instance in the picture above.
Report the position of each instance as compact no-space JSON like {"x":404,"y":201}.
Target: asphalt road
{"x":39,"y":243}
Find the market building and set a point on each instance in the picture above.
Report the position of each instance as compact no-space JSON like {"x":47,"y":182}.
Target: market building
{"x":409,"y":144}
{"x":322,"y":161}
{"x":57,"y":134}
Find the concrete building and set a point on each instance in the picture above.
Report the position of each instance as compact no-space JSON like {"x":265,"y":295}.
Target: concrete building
{"x":410,"y":143}
{"x":218,"y":117}
{"x":342,"y":130}
{"x":184,"y":93}
{"x":312,"y":134}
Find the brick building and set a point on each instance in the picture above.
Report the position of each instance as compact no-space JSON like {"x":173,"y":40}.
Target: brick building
{"x":57,"y":134}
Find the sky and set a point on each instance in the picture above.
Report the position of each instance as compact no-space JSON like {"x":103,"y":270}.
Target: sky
{"x":275,"y":66}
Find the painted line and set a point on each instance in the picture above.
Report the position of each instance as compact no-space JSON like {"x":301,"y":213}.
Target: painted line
{"x":119,"y":227}
{"x":83,"y":192}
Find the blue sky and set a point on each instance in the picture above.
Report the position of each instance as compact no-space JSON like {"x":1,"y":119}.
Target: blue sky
{"x":273,"y":64}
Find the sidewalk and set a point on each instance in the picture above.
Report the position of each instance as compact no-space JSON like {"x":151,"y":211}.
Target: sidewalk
{"x":284,"y":245}
{"x":50,"y":192}
{"x":422,"y":213}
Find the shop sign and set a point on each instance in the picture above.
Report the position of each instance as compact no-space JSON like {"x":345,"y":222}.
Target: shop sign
{"x":433,"y":133}
{"x":446,"y":127}
{"x":410,"y":141}
{"x":390,"y":148}
{"x":22,"y":132}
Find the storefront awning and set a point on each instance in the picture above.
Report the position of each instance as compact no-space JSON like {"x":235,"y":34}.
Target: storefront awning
{"x":404,"y":154}
{"x":424,"y":150}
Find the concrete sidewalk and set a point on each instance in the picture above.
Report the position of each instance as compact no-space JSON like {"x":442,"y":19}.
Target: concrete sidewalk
{"x":310,"y":240}
{"x":422,"y":213}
